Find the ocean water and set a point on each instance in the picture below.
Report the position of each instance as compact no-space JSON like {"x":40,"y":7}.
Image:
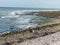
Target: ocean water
{"x":11,"y":19}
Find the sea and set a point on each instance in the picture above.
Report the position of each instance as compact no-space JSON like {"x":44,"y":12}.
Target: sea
{"x":15,"y":18}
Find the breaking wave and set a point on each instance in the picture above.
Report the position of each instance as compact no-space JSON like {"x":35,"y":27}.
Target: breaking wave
{"x":18,"y":13}
{"x":23,"y":12}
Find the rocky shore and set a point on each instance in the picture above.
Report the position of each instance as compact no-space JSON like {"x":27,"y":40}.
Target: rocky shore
{"x":50,"y":14}
{"x":35,"y":34}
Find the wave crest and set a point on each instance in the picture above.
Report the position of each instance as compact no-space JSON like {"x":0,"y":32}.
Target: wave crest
{"x":23,"y":12}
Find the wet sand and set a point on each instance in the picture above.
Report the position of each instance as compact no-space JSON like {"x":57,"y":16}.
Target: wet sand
{"x":18,"y":37}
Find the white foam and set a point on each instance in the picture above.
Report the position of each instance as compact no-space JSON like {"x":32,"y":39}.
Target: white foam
{"x":23,"y":21}
{"x":12,"y":16}
{"x":27,"y":11}
{"x":22,"y":12}
{"x":31,"y":26}
{"x":2,"y":17}
{"x":4,"y":32}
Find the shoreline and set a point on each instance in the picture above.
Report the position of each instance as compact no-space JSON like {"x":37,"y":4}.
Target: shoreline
{"x":28,"y":34}
{"x":54,"y":22}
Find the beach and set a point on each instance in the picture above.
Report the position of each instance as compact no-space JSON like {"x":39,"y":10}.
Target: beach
{"x":41,"y":33}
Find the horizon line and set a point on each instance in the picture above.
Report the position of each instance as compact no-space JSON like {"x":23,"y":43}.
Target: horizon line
{"x":27,"y":7}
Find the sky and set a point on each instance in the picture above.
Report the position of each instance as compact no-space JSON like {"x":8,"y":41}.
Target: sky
{"x":30,"y":3}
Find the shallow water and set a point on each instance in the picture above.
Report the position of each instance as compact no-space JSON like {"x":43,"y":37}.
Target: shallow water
{"x":21,"y":22}
{"x":12,"y":20}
